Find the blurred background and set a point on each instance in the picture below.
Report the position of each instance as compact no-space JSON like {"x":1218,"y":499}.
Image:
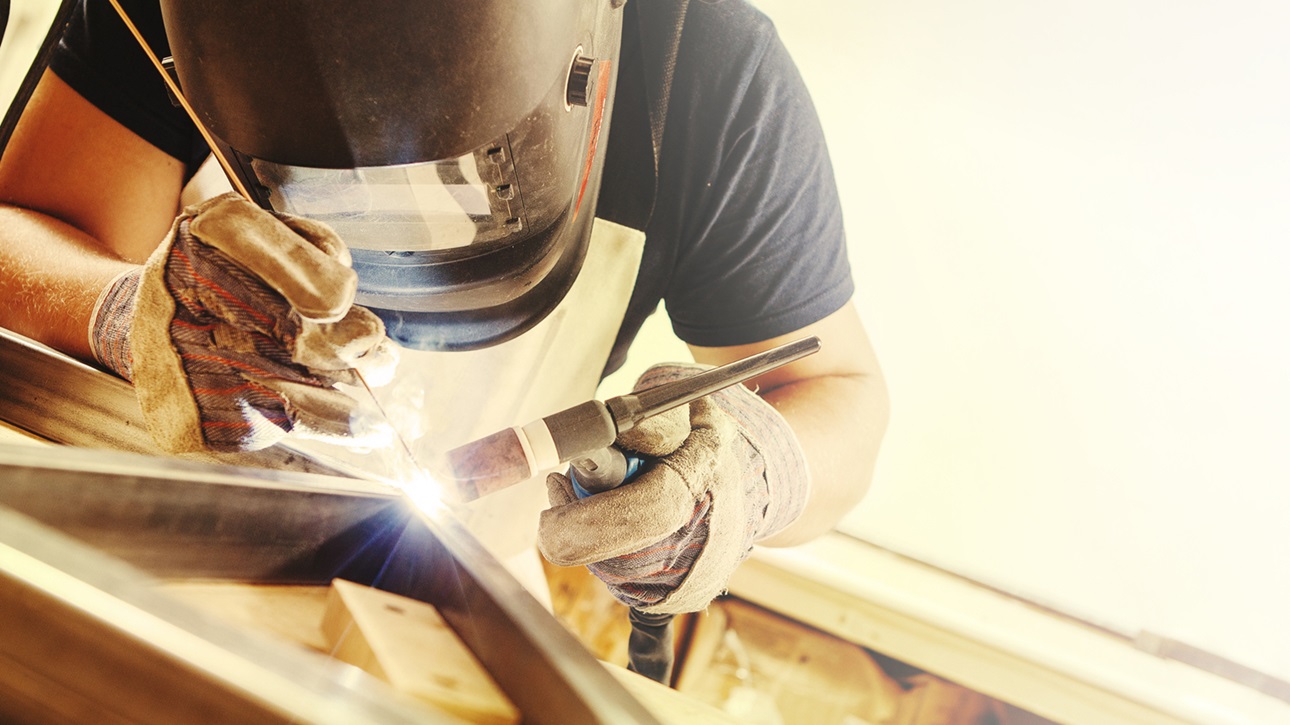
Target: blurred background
{"x":1068,"y":226}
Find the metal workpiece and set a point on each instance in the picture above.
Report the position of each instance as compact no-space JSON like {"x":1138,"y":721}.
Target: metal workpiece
{"x":88,"y":638}
{"x":191,"y":520}
{"x":99,"y":528}
{"x":60,"y":399}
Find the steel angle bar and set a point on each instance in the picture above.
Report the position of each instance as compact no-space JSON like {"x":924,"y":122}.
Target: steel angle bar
{"x":87,"y":638}
{"x":192,"y":520}
{"x":184,"y":519}
{"x":63,"y":400}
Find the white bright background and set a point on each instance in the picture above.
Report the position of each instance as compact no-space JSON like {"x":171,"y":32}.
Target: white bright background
{"x":1068,"y":223}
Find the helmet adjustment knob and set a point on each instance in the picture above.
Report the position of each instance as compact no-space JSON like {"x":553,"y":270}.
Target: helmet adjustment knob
{"x":578,"y":90}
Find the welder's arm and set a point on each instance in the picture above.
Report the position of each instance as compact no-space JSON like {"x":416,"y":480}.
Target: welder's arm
{"x":82,"y":199}
{"x":234,"y":329}
{"x":729,"y":471}
{"x":836,"y":403}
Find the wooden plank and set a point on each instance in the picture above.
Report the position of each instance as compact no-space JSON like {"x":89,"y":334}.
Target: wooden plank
{"x":669,"y":705}
{"x":925,"y":645}
{"x":586,"y":608}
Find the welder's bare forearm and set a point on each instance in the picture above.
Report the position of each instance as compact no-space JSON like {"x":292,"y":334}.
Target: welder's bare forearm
{"x":50,"y":277}
{"x":839,"y":422}
{"x":836,"y":403}
{"x":81,"y":197}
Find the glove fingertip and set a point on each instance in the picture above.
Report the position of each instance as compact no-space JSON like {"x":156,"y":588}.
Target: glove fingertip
{"x":559,"y":489}
{"x":379,"y":364}
{"x":558,"y":543}
{"x":358,"y":337}
{"x":314,"y":279}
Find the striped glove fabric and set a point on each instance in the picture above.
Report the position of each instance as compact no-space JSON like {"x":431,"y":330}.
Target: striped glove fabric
{"x":237,"y":329}
{"x":723,"y":474}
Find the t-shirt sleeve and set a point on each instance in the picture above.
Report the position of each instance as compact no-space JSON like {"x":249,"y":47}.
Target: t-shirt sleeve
{"x":101,"y":60}
{"x":761,"y":248}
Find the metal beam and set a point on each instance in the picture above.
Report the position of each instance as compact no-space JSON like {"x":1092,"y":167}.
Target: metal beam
{"x":89,"y":639}
{"x":184,"y":519}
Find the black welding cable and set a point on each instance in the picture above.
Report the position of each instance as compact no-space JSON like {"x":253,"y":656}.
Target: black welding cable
{"x":649,"y":646}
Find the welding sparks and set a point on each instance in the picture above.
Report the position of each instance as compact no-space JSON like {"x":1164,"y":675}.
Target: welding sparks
{"x":423,"y":490}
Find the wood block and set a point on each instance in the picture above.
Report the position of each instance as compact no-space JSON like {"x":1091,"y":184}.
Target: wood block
{"x":407,"y":644}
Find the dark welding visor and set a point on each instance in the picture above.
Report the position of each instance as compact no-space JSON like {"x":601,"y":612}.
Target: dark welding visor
{"x":455,"y":146}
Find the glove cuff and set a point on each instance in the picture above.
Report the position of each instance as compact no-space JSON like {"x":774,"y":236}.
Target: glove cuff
{"x":110,"y":321}
{"x":787,"y":476}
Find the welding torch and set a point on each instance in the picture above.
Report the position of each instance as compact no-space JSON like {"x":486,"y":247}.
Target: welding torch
{"x":584,"y":436}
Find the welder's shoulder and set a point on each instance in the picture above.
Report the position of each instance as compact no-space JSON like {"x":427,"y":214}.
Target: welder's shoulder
{"x":726,"y":49}
{"x":728,"y":29}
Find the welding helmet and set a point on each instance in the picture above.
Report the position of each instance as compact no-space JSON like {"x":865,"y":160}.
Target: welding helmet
{"x":455,"y":146}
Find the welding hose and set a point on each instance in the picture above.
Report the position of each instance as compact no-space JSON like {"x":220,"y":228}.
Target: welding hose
{"x":649,"y":646}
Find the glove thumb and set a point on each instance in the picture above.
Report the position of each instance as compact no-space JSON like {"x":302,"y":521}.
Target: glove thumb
{"x":659,"y":435}
{"x":616,"y":522}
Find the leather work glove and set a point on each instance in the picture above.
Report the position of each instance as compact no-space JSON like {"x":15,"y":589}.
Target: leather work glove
{"x":722,"y":474}
{"x":237,"y":327}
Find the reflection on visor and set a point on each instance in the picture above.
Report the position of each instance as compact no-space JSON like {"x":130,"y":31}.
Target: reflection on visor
{"x":417,"y":207}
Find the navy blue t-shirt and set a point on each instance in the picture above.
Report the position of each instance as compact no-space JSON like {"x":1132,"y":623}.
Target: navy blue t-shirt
{"x":745,"y":241}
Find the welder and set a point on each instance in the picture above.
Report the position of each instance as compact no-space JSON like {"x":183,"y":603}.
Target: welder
{"x":437,"y":177}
